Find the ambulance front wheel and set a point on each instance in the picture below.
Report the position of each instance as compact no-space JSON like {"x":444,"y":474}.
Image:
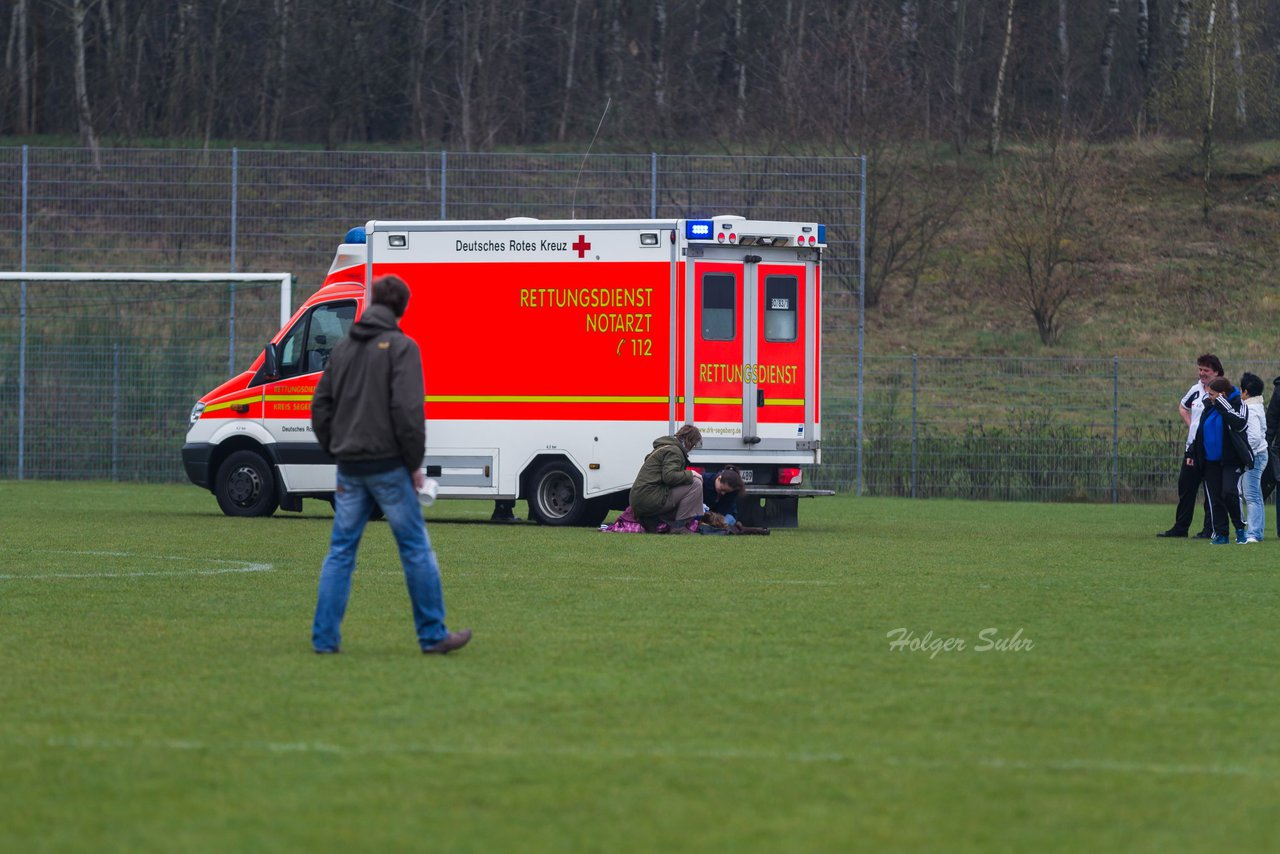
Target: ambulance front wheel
{"x":555,"y":497}
{"x":246,"y":485}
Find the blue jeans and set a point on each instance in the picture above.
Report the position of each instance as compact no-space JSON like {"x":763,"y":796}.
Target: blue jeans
{"x":1251,"y":483}
{"x":353,"y":502}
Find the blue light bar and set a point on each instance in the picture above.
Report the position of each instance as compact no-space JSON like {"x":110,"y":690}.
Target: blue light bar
{"x":355,"y":235}
{"x":699,"y":229}
{"x":822,"y":234}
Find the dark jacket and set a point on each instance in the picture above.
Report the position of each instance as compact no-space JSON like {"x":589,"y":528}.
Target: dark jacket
{"x":725,"y":505}
{"x":368,"y":404}
{"x":1273,"y":413}
{"x":665,"y":467}
{"x":1233,"y":419}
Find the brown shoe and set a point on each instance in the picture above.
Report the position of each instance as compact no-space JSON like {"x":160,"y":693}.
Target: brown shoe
{"x":454,"y":640}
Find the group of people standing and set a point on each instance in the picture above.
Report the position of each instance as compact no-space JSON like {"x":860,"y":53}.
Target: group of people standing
{"x":1227,"y":457}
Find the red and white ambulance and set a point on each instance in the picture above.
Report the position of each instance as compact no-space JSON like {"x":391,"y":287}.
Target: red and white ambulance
{"x":554,"y":353}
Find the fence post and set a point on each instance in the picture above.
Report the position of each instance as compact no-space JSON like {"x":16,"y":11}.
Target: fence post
{"x":22,"y":328}
{"x":1115,"y":429}
{"x":915,"y":461}
{"x":231,"y":286}
{"x":862,"y":303}
{"x":235,"y":189}
{"x":115,"y":410}
{"x":653,"y":185}
{"x":444,"y":180}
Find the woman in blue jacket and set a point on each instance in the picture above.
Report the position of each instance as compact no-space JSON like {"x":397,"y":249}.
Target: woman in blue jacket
{"x":1221,"y":447}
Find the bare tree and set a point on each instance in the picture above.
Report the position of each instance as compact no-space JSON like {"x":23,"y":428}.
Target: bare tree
{"x":1040,"y":207}
{"x":955,"y":76}
{"x":912,"y":195}
{"x":115,"y":65}
{"x":88,"y":137}
{"x":909,"y":23}
{"x":568,"y":71}
{"x":1210,"y":101}
{"x":1109,"y":47}
{"x":993,"y":145}
{"x":181,"y":76}
{"x":275,"y":72}
{"x":20,"y":33}
{"x":1144,"y":61}
{"x":658,"y":56}
{"x":1182,"y":24}
{"x":740,"y":62}
{"x":213,"y":76}
{"x":912,"y":198}
{"x":472,"y":73}
{"x":1064,"y":64}
{"x":1237,"y":65}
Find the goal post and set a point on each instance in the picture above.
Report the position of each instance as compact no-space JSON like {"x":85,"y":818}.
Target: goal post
{"x":284,"y":280}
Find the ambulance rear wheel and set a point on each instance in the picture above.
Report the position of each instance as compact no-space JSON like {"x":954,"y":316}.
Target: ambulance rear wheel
{"x":555,"y":495}
{"x":246,"y":485}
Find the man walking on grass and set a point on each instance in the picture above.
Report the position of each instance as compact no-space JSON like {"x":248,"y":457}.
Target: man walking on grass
{"x":367,"y":414}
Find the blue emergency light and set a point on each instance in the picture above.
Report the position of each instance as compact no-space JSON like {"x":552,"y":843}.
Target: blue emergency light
{"x":699,"y":229}
{"x":355,"y":235}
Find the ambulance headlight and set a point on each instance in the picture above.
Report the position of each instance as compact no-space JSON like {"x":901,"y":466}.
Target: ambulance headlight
{"x":195,"y":413}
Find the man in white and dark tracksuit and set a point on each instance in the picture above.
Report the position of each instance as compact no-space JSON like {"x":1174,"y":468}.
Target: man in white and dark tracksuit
{"x":1222,"y":456}
{"x":1190,"y":476}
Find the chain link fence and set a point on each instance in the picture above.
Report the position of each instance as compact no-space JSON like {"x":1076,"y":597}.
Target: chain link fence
{"x":112,"y":370}
{"x":1025,"y":429}
{"x":246,"y":210}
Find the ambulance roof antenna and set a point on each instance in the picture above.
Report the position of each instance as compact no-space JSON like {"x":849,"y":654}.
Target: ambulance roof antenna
{"x":573,"y":200}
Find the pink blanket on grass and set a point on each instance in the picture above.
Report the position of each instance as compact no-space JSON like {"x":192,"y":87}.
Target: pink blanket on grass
{"x":627,"y":523}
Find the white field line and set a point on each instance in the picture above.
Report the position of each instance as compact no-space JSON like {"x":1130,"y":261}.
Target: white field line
{"x":637,"y":579}
{"x":219,"y":566}
{"x":1080,"y":765}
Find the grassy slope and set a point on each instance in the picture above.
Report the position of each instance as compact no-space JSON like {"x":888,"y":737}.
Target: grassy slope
{"x":632,"y":692}
{"x":1169,"y":283}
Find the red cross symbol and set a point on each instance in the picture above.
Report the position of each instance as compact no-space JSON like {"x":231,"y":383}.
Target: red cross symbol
{"x":582,"y":245}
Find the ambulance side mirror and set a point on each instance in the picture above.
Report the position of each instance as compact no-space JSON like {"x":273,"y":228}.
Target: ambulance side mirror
{"x":270,"y":363}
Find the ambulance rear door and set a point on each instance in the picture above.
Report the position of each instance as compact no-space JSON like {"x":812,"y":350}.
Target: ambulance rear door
{"x":751,"y":315}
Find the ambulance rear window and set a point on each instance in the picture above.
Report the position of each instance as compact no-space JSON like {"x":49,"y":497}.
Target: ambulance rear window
{"x":780,"y":308}
{"x":719,"y":307}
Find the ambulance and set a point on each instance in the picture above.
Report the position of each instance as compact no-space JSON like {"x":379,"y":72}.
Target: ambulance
{"x":554,"y":353}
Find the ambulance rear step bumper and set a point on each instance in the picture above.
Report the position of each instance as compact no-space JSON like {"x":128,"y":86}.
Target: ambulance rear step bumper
{"x":774,"y":506}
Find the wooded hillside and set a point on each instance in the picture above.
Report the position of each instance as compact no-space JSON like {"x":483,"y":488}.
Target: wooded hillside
{"x":478,"y":74}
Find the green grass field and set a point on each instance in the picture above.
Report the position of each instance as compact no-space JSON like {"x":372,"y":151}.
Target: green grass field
{"x":158,"y":691}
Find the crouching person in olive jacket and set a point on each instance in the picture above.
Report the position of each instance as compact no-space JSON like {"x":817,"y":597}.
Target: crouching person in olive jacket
{"x":665,"y":490}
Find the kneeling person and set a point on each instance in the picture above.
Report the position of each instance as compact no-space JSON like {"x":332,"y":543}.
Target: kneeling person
{"x":665,"y":490}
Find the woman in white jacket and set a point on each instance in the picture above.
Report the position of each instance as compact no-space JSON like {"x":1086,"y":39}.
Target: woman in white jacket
{"x":1251,"y":480}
